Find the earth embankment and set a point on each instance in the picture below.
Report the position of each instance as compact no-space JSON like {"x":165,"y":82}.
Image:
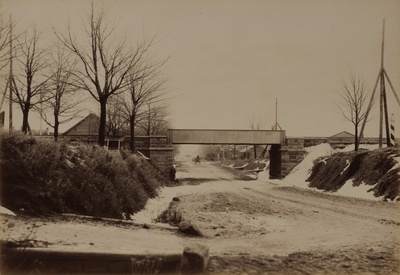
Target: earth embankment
{"x":378,"y":169}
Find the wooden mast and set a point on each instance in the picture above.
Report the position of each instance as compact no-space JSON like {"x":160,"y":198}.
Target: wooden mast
{"x":276,"y":114}
{"x":382,"y":86}
{"x":10,"y":81}
{"x":383,"y":108}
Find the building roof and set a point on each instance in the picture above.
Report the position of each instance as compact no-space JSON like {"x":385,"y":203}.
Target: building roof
{"x":88,"y":126}
{"x":343,"y":134}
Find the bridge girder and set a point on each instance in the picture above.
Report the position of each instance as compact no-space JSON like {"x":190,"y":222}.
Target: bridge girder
{"x":245,"y":137}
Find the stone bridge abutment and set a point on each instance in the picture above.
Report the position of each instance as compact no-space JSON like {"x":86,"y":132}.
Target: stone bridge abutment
{"x":283,"y":158}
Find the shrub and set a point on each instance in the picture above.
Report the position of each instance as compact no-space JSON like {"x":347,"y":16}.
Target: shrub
{"x":45,"y":177}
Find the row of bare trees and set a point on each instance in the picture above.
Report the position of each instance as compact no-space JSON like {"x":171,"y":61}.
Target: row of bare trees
{"x":127,"y":85}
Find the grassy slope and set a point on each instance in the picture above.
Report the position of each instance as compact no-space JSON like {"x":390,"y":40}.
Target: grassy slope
{"x":42,"y":177}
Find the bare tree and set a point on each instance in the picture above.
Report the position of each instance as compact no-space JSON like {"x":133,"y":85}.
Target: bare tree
{"x":144,"y":86}
{"x":354,"y":95}
{"x":4,"y":42}
{"x":255,"y":125}
{"x":29,"y":81}
{"x":117,"y":123}
{"x":155,"y":121}
{"x":105,"y":61}
{"x":5,"y":39}
{"x":63,"y":98}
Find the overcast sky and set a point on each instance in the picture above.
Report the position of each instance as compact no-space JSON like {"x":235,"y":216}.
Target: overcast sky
{"x":230,"y":60}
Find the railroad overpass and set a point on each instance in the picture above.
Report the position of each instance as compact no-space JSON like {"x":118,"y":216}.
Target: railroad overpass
{"x":283,"y":154}
{"x":237,"y":137}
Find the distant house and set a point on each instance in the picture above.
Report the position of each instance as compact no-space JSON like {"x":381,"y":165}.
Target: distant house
{"x":88,"y":127}
{"x":87,"y":130}
{"x":342,"y":138}
{"x":342,"y":135}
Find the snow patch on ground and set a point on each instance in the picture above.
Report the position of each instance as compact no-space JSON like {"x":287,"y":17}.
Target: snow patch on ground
{"x":360,"y":191}
{"x":5,"y":211}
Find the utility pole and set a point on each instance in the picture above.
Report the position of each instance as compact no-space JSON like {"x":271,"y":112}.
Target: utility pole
{"x":10,"y":81}
{"x":383,"y":101}
{"x":382,"y":91}
{"x":149,"y":121}
{"x":276,"y":113}
{"x":383,"y":108}
{"x":276,"y":116}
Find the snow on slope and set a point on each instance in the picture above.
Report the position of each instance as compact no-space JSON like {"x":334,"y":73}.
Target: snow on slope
{"x":302,"y":171}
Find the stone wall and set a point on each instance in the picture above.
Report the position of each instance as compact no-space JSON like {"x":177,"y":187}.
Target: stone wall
{"x":291,"y":155}
{"x":283,"y":158}
{"x":156,"y":148}
{"x":162,"y":158}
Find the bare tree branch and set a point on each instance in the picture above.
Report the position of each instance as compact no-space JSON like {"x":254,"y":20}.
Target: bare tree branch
{"x":144,"y":86}
{"x":105,"y":62}
{"x":353,"y":103}
{"x":29,"y":81}
{"x":63,"y":96}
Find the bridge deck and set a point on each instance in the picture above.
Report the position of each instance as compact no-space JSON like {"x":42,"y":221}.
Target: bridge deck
{"x":186,"y":136}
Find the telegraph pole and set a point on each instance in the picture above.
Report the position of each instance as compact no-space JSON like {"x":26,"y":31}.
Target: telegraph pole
{"x":276,"y":116}
{"x":276,"y":113}
{"x":382,"y":86}
{"x":10,"y":81}
{"x":383,"y":108}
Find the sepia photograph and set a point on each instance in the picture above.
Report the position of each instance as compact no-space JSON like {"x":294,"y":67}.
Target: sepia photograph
{"x":200,"y":137}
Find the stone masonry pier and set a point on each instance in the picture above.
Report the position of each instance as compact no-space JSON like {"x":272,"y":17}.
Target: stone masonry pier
{"x":156,"y":148}
{"x":283,"y":158}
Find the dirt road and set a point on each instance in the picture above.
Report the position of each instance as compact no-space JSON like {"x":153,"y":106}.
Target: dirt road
{"x":261,"y":227}
{"x":250,"y":227}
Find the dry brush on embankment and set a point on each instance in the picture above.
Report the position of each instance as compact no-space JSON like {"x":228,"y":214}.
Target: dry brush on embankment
{"x":41,"y":177}
{"x":378,"y":169}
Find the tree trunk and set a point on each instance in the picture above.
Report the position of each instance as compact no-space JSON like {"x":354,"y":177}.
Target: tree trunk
{"x":356,"y":137}
{"x":56,"y":125}
{"x":132,"y":130}
{"x":103,"y":121}
{"x":25,"y":123}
